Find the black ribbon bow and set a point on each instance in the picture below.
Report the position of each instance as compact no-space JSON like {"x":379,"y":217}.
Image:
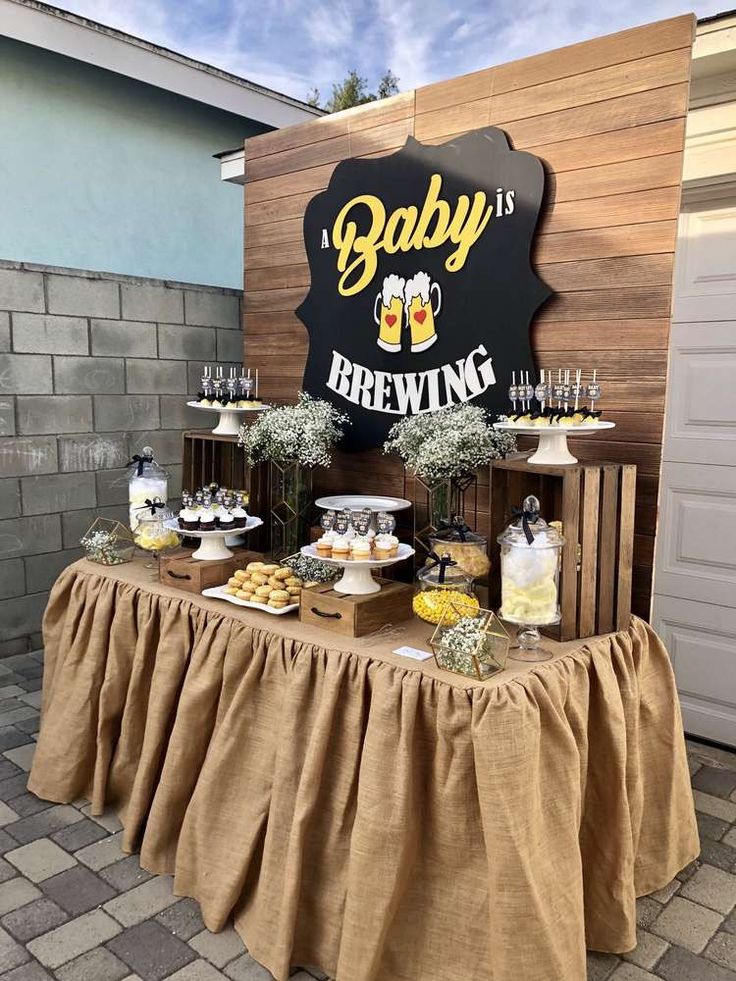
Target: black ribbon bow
{"x":152,"y":504}
{"x":456,"y":524}
{"x":528,"y":517}
{"x":442,"y":562}
{"x":140,"y":460}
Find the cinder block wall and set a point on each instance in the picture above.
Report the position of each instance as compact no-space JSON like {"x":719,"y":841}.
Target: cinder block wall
{"x":92,"y":368}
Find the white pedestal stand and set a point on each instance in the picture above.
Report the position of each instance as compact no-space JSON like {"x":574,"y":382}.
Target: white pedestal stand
{"x":356,"y":579}
{"x":552,"y":449}
{"x":229,"y":420}
{"x":212,"y":543}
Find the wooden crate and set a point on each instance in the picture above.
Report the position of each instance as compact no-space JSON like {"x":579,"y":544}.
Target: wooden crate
{"x":192,"y":575}
{"x":354,"y":616}
{"x":595,"y":503}
{"x":208,"y":457}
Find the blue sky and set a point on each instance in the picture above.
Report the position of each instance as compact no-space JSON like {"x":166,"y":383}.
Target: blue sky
{"x":292,"y":45}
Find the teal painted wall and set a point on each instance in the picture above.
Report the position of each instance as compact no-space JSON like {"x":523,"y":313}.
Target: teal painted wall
{"x":100,"y":172}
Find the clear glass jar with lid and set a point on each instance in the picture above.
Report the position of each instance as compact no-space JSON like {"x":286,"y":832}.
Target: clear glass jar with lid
{"x":147,"y":482}
{"x":530,"y":568}
{"x":441,"y":586}
{"x":466,"y":547}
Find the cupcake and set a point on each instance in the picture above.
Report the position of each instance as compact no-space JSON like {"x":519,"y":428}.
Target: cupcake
{"x":226,"y":520}
{"x":394,"y":541}
{"x":340,"y":548}
{"x":360,"y":549}
{"x":239,"y":516}
{"x":188,"y":519}
{"x":324,"y":546}
{"x":206,"y":519}
{"x":382,"y":546}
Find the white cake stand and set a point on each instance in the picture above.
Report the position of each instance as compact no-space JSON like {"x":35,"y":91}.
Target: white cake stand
{"x":212,"y":543}
{"x":357,"y":502}
{"x":552,"y":448}
{"x":229,"y":421}
{"x":356,"y":578}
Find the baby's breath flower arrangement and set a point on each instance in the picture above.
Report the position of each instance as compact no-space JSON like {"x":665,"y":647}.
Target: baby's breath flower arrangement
{"x":304,"y":433}
{"x":448,"y":444}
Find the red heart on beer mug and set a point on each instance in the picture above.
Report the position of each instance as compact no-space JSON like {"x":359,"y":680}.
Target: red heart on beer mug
{"x":390,"y":319}
{"x":420,"y":316}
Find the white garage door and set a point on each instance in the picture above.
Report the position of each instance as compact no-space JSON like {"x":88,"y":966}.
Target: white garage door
{"x":695,"y":566}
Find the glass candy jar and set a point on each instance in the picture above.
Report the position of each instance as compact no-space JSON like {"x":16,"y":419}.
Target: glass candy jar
{"x":151,"y":532}
{"x":468,"y":549}
{"x":442,"y":585}
{"x":147,"y":481}
{"x":531,"y":551}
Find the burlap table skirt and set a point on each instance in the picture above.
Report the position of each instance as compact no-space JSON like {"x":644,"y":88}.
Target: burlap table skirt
{"x":361,"y":812}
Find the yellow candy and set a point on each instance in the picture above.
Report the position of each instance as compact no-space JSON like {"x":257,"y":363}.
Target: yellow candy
{"x":430,"y":604}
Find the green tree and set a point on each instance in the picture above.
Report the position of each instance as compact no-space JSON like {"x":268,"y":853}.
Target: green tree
{"x":353,"y":91}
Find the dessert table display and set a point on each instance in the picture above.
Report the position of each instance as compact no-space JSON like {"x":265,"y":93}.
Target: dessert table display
{"x":360,"y":810}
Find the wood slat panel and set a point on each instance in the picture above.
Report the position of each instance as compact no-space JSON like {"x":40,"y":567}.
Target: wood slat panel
{"x":580,"y":122}
{"x":618,"y":178}
{"x":590,"y":243}
{"x":563,"y":277}
{"x":600,"y":243}
{"x":613,"y":49}
{"x":597,"y":304}
{"x":267,"y":201}
{"x":330,"y":126}
{"x":668,"y":102}
{"x":640,"y":207}
{"x":596,"y":86}
{"x":607,"y":118}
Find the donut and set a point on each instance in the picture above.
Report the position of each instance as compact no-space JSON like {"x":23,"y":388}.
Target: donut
{"x":263,"y":590}
{"x":283,"y":573}
{"x":254,"y":566}
{"x":259,"y":578}
{"x":270,"y":568}
{"x":240,"y":574}
{"x":280,"y":595}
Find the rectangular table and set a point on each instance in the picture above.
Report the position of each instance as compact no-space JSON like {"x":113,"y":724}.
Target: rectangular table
{"x":375,"y":816}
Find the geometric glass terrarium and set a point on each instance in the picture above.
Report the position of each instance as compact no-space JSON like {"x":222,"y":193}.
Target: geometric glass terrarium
{"x":470,"y":641}
{"x":108,"y":542}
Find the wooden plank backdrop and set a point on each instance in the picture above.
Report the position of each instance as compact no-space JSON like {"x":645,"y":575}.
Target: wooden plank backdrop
{"x":607,"y":118}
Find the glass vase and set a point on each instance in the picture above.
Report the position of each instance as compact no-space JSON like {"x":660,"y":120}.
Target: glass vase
{"x":437,"y":503}
{"x":290,"y":506}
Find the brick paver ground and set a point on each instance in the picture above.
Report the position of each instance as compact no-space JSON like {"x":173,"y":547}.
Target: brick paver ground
{"x":73,"y":907}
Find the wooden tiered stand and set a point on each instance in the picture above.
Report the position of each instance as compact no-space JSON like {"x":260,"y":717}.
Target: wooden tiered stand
{"x":595,"y":503}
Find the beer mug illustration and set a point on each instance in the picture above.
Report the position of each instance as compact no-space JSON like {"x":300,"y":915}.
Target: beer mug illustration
{"x":421,"y":311}
{"x":390,"y":320}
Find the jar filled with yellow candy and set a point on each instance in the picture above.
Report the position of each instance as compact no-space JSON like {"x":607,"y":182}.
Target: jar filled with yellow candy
{"x":151,"y":532}
{"x":441,"y":588}
{"x":468,"y":549}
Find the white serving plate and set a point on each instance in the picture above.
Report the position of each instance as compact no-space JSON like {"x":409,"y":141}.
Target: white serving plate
{"x":227,"y":408}
{"x":512,"y":427}
{"x":356,"y":579}
{"x":217,"y":592}
{"x":355,"y":502}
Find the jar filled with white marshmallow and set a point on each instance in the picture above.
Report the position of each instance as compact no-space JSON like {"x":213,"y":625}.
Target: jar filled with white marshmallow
{"x":531,"y":552}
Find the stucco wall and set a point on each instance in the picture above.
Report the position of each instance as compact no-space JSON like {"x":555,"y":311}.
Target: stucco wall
{"x":101,"y":172}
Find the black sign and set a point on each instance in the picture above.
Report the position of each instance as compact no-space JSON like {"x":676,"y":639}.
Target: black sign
{"x":422,"y":289}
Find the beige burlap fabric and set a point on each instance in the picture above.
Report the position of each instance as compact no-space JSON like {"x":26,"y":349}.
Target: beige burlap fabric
{"x":357,"y":811}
